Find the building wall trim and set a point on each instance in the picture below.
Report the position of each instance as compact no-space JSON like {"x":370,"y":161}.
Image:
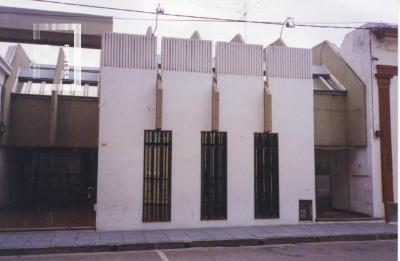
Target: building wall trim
{"x":384,"y":74}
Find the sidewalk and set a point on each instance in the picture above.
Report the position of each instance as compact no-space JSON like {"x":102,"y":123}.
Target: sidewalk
{"x":73,"y":241}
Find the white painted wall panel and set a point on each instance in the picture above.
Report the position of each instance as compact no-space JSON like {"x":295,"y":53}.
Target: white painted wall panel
{"x":187,"y":112}
{"x":241,"y":115}
{"x":292,"y":108}
{"x":127,"y":107}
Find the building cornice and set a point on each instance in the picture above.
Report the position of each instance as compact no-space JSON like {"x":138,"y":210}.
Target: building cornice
{"x":385,"y":71}
{"x":383,"y":32}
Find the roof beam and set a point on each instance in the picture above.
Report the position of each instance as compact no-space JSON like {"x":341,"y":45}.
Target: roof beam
{"x":17,"y":25}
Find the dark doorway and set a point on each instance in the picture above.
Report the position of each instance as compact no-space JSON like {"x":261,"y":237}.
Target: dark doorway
{"x":51,"y":188}
{"x":333,"y":186}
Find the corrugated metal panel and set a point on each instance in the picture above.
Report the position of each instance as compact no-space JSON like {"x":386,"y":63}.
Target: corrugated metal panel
{"x":239,"y":59}
{"x":285,"y":62}
{"x":189,"y":55}
{"x":128,"y":51}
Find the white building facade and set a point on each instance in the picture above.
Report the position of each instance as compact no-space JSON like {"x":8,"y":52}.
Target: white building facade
{"x":178,"y":149}
{"x":204,"y":134}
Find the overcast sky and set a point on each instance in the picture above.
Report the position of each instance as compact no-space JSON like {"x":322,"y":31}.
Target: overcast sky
{"x":335,"y":12}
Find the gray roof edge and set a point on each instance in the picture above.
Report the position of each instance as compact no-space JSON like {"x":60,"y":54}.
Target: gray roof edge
{"x":5,"y":66}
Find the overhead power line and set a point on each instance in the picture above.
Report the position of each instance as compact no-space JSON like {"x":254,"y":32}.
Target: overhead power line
{"x":204,"y":18}
{"x":82,"y":15}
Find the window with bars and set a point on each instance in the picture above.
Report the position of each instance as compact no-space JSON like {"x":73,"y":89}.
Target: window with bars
{"x":157,"y":176}
{"x":266,"y":175}
{"x":213,"y":175}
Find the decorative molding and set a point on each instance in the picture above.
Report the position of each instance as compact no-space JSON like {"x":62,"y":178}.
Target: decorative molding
{"x":384,"y":71}
{"x":187,"y":55}
{"x":287,"y":62}
{"x":383,"y":32}
{"x":238,"y":59}
{"x":384,"y":74}
{"x":129,"y":51}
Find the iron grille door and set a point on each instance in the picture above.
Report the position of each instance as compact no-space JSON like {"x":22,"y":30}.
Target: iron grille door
{"x":213,"y":175}
{"x":266,"y":180}
{"x":157,"y":176}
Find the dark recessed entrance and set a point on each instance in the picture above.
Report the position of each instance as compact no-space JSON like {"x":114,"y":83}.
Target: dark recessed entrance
{"x":49,"y":188}
{"x":337,"y":186}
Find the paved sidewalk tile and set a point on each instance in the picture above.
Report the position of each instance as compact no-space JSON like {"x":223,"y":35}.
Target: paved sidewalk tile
{"x":64,"y":241}
{"x":38,"y":243}
{"x":133,"y":237}
{"x":218,"y":234}
{"x":111,"y":237}
{"x":4,"y":236}
{"x":66,"y":238}
{"x":197,"y":234}
{"x":20,"y":236}
{"x":67,"y":234}
{"x":88,"y":238}
{"x":258,"y":232}
{"x":43,"y":236}
{"x":176,"y":235}
{"x":238,"y":233}
{"x":155,"y":236}
{"x":15,"y":244}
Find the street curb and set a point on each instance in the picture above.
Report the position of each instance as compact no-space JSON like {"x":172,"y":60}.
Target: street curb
{"x":189,"y":244}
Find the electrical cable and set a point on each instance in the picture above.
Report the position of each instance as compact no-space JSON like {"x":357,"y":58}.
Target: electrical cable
{"x":204,"y":17}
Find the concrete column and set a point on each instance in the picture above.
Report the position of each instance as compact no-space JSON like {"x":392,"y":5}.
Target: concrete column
{"x":384,"y":74}
{"x":57,"y":83}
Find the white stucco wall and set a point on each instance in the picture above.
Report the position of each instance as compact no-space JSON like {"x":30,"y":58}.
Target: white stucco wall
{"x":241,"y":114}
{"x":356,"y":50}
{"x":292,"y":108}
{"x":187,"y":112}
{"x":360,"y":181}
{"x":127,"y":108}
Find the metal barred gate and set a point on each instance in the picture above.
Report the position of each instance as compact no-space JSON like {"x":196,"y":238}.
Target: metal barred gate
{"x":213,"y":175}
{"x":157,"y":176}
{"x":266,"y":179}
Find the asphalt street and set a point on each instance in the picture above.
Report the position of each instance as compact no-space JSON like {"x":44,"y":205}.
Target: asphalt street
{"x":382,"y":250}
